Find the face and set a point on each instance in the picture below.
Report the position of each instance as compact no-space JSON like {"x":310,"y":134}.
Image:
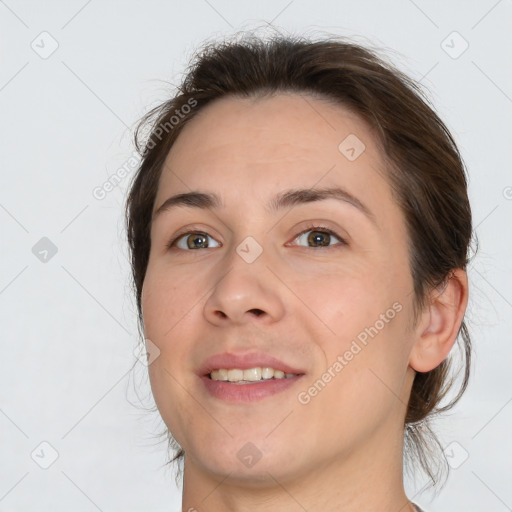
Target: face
{"x":313,"y":285}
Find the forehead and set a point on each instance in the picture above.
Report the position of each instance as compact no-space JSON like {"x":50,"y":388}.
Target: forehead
{"x":250,"y":147}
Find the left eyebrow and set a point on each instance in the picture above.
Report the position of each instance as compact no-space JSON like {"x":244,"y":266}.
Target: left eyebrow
{"x":288,"y":198}
{"x":309,"y":195}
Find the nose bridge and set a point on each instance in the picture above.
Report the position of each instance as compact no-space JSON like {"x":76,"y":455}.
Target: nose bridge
{"x":246,"y":285}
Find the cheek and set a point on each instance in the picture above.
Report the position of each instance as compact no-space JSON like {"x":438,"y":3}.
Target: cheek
{"x":363,"y":384}
{"x":167,"y":297}
{"x":345,"y":301}
{"x":366,"y":351}
{"x":168,"y":301}
{"x":168,"y":304}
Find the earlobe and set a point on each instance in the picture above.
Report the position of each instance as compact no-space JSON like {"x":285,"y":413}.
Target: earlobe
{"x":440,"y":323}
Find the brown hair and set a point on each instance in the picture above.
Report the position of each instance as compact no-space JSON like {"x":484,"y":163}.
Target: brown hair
{"x":424,"y":168}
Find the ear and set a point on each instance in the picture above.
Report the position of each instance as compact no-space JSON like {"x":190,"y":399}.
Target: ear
{"x":440,"y":322}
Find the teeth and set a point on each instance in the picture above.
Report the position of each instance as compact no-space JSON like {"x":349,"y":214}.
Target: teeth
{"x":253,"y":374}
{"x":250,"y":375}
{"x":267,"y":373}
{"x":221,"y":374}
{"x":235,"y":375}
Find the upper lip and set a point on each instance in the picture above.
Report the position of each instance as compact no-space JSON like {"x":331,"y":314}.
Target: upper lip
{"x":245,"y":361}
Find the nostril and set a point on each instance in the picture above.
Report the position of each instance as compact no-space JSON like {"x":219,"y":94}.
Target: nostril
{"x":257,"y":312}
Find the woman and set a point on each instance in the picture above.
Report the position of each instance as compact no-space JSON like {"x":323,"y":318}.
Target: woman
{"x":299,"y":230}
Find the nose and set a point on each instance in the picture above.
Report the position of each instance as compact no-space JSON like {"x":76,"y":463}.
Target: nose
{"x":246,"y":292}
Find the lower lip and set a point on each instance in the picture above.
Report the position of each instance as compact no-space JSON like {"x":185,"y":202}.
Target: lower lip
{"x":232,"y":392}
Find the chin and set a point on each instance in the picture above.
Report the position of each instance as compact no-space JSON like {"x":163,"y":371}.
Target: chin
{"x":255,"y":464}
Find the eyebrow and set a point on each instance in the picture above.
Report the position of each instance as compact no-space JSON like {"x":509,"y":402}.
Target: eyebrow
{"x":288,"y":198}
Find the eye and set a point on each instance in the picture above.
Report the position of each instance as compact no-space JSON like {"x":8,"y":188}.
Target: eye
{"x":191,"y":240}
{"x":319,"y":236}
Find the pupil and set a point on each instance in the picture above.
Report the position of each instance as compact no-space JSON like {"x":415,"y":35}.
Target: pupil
{"x":316,"y":238}
{"x":193,"y":241}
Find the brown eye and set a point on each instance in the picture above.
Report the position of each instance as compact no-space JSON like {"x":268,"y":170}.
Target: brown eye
{"x":191,"y":241}
{"x":320,"y":237}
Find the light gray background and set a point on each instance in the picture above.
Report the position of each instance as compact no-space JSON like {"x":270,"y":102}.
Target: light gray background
{"x":68,"y":324}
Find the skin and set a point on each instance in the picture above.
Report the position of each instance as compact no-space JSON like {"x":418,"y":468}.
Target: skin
{"x":300,"y":302}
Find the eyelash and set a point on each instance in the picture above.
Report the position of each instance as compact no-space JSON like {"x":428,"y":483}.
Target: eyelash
{"x":313,"y":227}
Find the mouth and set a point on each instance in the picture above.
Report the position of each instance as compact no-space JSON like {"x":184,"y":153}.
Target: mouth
{"x":250,"y":375}
{"x":247,"y":377}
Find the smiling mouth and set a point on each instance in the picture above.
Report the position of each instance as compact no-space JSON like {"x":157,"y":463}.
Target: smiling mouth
{"x":250,"y":375}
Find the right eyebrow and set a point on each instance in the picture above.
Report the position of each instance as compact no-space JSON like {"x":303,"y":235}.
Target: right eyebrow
{"x":202,"y":200}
